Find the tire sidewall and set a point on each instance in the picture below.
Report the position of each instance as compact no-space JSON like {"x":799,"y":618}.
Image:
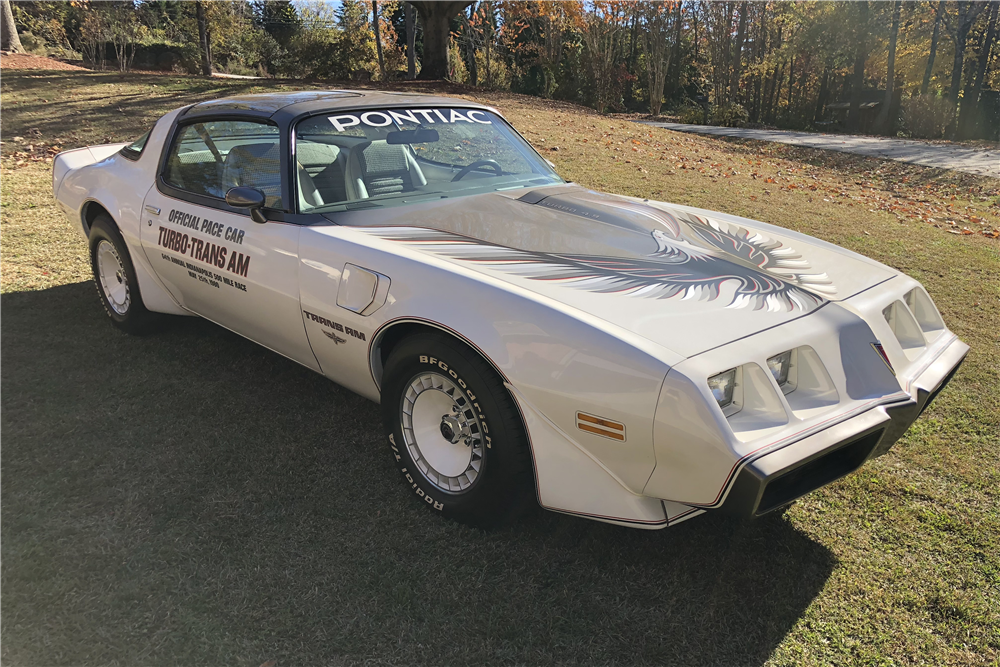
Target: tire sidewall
{"x":495,"y":492}
{"x":102,"y":230}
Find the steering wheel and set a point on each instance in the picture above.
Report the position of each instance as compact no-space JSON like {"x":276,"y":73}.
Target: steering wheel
{"x":492,"y":164}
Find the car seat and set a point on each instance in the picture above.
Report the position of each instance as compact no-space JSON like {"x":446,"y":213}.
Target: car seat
{"x":255,"y":166}
{"x":378,"y":168}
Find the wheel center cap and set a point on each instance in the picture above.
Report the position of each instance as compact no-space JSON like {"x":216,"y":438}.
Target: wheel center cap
{"x":451,"y":428}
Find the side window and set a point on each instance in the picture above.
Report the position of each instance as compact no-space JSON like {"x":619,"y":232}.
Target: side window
{"x":211,"y":157}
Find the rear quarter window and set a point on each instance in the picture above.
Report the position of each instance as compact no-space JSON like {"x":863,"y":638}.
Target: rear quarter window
{"x":134,"y":149}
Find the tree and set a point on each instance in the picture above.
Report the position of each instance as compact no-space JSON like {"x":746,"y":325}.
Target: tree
{"x":741,"y":34}
{"x":279,"y":19}
{"x":536,"y":33}
{"x":204,"y":38}
{"x":860,"y":56}
{"x":603,"y":36}
{"x":938,"y":18}
{"x":967,"y":14}
{"x":8,"y":31}
{"x":656,"y":17}
{"x":885,"y":122}
{"x":470,"y":38}
{"x":354,"y":55}
{"x":378,"y":41}
{"x":94,"y":35}
{"x":435,"y":18}
{"x":411,"y":42}
{"x":967,"y":117}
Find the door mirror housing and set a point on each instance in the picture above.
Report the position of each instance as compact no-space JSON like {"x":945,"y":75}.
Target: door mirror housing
{"x":248,"y":198}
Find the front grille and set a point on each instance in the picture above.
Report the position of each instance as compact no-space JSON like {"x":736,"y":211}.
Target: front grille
{"x":816,"y":473}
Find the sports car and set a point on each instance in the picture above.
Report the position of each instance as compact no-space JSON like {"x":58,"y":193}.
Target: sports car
{"x":528,"y":339}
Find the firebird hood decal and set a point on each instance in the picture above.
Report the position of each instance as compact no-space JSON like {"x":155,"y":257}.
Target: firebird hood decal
{"x":688,"y":257}
{"x":686,"y":279}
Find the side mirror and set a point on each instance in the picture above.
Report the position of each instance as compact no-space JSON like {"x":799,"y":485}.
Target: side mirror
{"x":248,"y":198}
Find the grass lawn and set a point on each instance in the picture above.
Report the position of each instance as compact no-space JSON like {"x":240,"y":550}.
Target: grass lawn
{"x":191,"y":498}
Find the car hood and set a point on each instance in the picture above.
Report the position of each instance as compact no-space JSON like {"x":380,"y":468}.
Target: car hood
{"x":684,"y":278}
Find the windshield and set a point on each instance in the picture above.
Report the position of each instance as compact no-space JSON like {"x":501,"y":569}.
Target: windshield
{"x":377,"y":158}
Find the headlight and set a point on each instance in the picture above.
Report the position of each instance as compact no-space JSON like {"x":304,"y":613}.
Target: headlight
{"x":723,"y":385}
{"x":780,"y":365}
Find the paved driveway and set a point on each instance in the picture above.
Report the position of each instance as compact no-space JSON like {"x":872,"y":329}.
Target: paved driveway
{"x":973,"y":160}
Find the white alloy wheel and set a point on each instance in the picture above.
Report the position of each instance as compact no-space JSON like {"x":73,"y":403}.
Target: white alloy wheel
{"x":442,"y":432}
{"x":114,"y":281}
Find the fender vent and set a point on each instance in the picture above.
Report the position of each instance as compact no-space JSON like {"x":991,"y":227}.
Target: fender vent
{"x":605,"y":428}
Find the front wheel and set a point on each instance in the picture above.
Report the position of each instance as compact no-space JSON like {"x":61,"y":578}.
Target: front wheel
{"x":455,"y":432}
{"x":115,"y":278}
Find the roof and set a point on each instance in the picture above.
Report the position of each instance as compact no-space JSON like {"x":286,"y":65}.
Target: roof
{"x":287,"y":105}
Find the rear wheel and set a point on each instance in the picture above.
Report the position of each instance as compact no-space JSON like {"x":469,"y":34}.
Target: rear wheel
{"x":114,"y":276}
{"x":455,"y":432}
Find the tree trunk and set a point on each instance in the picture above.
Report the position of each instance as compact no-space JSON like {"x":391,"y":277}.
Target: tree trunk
{"x":967,"y":119}
{"x":470,"y":49}
{"x":823,"y":92}
{"x":967,"y":14}
{"x":488,"y":39}
{"x":11,"y":42}
{"x":378,"y":41}
{"x":435,"y":17}
{"x":411,"y":41}
{"x":959,"y":60}
{"x":934,"y":42}
{"x":860,"y":56}
{"x":203,"y":37}
{"x":675,"y":75}
{"x":791,"y":81}
{"x":741,"y":35}
{"x":886,"y":123}
{"x":776,"y":91}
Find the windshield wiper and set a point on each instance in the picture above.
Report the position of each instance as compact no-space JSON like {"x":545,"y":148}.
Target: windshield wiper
{"x":361,"y":204}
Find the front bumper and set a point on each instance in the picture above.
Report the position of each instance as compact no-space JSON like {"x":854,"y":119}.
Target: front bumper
{"x":779,"y":477}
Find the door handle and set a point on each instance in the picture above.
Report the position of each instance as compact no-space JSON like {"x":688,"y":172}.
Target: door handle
{"x":152,"y":209}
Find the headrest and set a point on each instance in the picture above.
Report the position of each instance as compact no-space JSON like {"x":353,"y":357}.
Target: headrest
{"x":382,"y":158}
{"x":311,"y":154}
{"x":255,"y":166}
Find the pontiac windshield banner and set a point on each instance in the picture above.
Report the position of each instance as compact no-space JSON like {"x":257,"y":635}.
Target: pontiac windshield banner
{"x":400,"y":116}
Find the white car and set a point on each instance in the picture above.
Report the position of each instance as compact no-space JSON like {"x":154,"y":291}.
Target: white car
{"x":624,"y":360}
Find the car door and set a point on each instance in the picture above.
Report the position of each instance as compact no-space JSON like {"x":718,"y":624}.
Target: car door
{"x":214,"y":259}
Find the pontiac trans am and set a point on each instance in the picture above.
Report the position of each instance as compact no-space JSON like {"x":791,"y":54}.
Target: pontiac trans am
{"x":624,"y":360}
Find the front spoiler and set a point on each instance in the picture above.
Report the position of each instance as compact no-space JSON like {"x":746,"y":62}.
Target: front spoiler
{"x":778,"y":478}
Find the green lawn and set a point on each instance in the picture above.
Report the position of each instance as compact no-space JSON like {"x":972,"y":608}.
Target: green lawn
{"x":191,"y":498}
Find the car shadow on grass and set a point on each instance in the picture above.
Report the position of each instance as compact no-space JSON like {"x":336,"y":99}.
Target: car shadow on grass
{"x":191,"y":497}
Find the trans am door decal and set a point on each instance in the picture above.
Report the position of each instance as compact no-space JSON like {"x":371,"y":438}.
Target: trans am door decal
{"x":690,"y":259}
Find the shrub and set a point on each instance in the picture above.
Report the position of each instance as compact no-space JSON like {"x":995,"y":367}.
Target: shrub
{"x":927,"y":116}
{"x":690,"y":113}
{"x":32,"y":44}
{"x":792,"y":120}
{"x":730,"y":114}
{"x":497,"y":76}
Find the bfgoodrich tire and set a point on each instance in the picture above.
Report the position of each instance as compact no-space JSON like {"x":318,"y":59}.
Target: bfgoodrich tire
{"x":114,"y":276}
{"x":455,"y":433}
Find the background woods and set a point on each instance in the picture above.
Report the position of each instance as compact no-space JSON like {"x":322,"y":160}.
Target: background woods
{"x":924,"y":69}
